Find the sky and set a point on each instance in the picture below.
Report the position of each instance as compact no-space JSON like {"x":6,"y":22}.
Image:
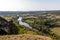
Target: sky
{"x":29,"y":5}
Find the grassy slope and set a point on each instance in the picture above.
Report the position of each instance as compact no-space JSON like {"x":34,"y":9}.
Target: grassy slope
{"x":56,"y":31}
{"x":24,"y":37}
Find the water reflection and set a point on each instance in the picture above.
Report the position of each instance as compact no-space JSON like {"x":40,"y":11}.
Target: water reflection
{"x":23,"y":23}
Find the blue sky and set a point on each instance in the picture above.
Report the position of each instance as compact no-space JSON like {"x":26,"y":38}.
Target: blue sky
{"x":29,"y":5}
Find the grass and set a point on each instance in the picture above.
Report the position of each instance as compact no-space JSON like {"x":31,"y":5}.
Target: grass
{"x":56,"y":31}
{"x":24,"y":37}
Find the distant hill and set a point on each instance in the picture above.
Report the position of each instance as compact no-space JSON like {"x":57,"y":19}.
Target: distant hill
{"x":29,"y":12}
{"x":19,"y":12}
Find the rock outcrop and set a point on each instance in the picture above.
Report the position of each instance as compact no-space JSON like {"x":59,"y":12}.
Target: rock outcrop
{"x":7,"y":27}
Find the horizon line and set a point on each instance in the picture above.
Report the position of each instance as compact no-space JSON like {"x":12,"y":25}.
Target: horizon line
{"x":31,"y":10}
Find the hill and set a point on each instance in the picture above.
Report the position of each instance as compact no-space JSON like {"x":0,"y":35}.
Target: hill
{"x":7,"y":27}
{"x":28,"y":12}
{"x":24,"y":37}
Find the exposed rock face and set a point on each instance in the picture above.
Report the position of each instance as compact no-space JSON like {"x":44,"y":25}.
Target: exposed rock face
{"x":6,"y":27}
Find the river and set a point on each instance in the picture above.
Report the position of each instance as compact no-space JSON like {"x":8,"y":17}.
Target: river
{"x":30,"y":27}
{"x":25,"y":24}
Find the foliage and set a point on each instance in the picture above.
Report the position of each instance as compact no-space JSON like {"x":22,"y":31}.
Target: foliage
{"x":43,"y":25}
